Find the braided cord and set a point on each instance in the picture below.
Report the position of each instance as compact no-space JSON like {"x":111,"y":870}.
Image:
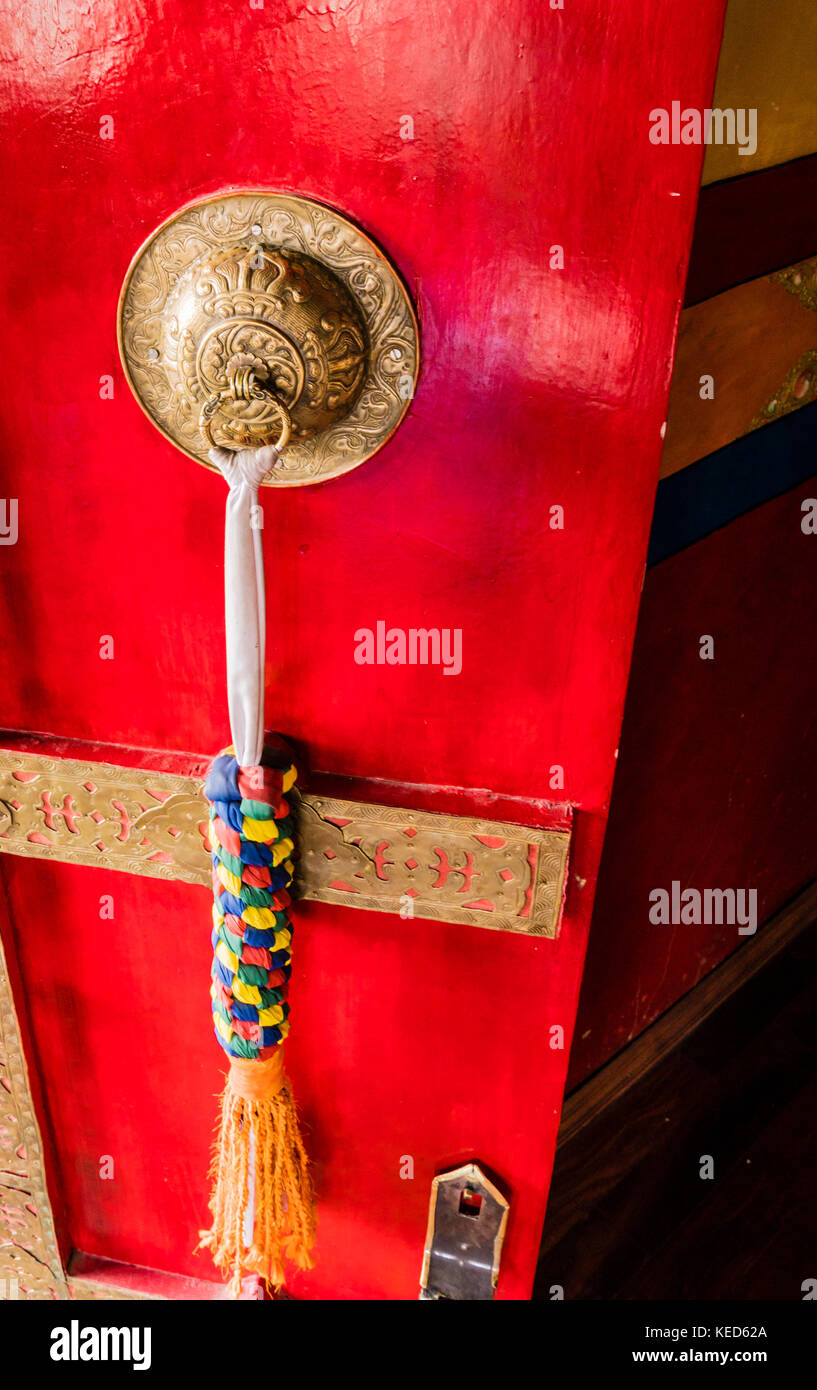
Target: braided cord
{"x":251,"y":838}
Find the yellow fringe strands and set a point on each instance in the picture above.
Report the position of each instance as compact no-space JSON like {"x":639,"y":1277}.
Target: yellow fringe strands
{"x":260,"y":1155}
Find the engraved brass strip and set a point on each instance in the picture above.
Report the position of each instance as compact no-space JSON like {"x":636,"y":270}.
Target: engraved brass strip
{"x":30,"y":1266}
{"x":356,"y":854}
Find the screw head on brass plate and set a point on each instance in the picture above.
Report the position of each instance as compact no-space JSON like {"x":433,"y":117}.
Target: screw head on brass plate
{"x":252,"y":316}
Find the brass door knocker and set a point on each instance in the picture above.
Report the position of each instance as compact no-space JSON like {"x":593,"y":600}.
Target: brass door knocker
{"x":255,"y":318}
{"x":248,"y":411}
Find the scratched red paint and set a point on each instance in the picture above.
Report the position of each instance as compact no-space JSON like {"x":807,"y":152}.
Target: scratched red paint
{"x":538,"y":387}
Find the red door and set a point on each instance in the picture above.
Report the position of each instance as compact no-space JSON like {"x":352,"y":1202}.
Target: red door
{"x":501,"y":157}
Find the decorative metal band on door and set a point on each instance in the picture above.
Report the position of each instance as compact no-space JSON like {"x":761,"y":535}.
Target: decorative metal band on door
{"x":456,"y":869}
{"x":357,"y":854}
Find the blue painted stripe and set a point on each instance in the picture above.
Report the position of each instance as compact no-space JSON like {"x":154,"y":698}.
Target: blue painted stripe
{"x":714,"y":491}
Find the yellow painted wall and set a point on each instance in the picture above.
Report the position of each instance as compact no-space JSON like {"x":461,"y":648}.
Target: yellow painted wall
{"x":768,"y":61}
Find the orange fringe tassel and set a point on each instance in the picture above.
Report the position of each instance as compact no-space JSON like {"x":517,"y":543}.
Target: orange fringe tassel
{"x":259,"y":1127}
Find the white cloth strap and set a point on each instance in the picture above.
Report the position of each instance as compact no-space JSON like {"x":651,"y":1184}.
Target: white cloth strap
{"x":244,"y":604}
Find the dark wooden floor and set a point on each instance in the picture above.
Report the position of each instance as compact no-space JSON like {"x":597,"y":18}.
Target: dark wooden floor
{"x":629,"y":1216}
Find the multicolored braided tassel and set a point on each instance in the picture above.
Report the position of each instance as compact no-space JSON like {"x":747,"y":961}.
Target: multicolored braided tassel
{"x":262,"y":1203}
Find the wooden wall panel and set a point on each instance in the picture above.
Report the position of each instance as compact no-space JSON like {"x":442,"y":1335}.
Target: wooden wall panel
{"x":752,"y":226}
{"x":758,"y":344}
{"x":715,"y":785}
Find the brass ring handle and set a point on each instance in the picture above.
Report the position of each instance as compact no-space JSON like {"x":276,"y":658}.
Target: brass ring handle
{"x":244,"y":387}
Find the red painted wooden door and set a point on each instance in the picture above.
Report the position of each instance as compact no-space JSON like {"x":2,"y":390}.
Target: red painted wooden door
{"x":500,"y":154}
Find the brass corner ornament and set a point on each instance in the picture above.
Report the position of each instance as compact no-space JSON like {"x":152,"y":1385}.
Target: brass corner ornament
{"x":266,"y":318}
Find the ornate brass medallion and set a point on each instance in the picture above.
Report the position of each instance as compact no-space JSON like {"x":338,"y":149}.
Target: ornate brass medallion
{"x":255,"y":318}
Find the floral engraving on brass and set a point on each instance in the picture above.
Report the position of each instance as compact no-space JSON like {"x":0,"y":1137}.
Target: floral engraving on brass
{"x":450,"y":868}
{"x":250,"y":315}
{"x":97,"y":814}
{"x":287,"y":321}
{"x":30,"y":1266}
{"x":380,"y":858}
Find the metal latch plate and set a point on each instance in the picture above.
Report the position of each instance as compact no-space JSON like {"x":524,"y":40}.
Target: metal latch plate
{"x":467,"y":1218}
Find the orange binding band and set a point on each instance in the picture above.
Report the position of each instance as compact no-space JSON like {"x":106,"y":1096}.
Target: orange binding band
{"x":252,"y":1080}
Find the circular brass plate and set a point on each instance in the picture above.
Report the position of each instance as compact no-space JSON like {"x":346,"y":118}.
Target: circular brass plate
{"x":293,"y":223}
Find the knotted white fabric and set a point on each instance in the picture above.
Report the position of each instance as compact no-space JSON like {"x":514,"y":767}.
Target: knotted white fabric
{"x":244,"y":603}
